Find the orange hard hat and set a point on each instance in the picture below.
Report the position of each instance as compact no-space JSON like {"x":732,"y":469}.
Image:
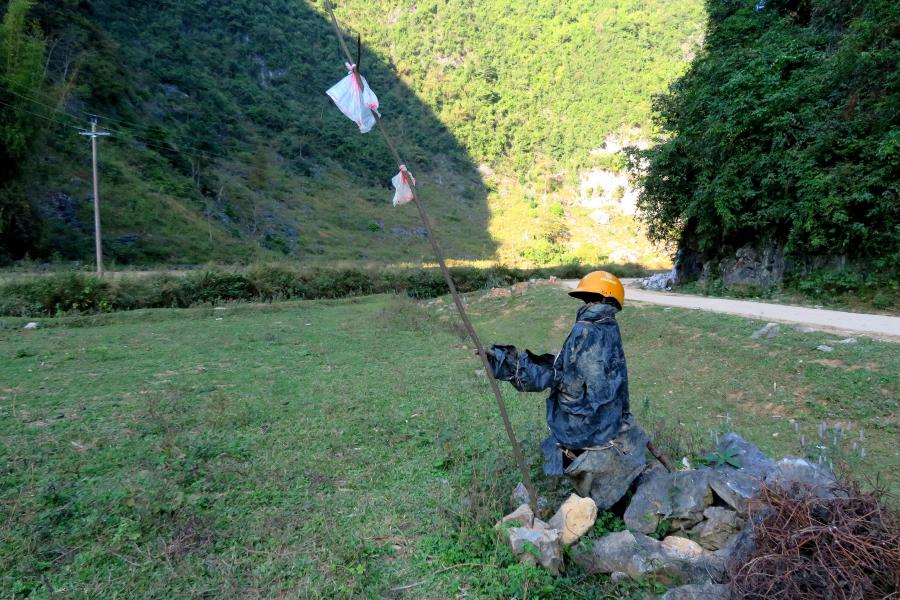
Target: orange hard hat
{"x":600,"y":282}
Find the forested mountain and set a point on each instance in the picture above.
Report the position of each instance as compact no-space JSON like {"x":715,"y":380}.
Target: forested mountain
{"x":226,"y":148}
{"x":785,"y":131}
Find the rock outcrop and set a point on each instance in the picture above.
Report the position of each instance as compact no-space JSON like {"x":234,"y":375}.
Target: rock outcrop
{"x":606,"y":475}
{"x":673,"y":560}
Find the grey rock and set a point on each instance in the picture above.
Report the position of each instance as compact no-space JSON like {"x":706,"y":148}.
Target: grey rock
{"x":619,"y":576}
{"x":846,"y":341}
{"x":127,"y":239}
{"x":673,"y":560}
{"x":740,"y":547}
{"x":520,"y":496}
{"x":773,"y":332}
{"x":681,"y":497}
{"x":765,"y":331}
{"x":703,"y":591}
{"x":801,"y":329}
{"x":31,"y":325}
{"x":522,"y":515}
{"x":606,"y":475}
{"x":804,"y":477}
{"x":759,"y":268}
{"x":545,"y":549}
{"x":736,"y":487}
{"x":750,"y":457}
{"x":719,"y":528}
{"x":651,"y":472}
{"x":64,"y":207}
{"x":689,"y":264}
{"x":825,"y":348}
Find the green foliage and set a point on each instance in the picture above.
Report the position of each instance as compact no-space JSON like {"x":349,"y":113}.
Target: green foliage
{"x":881,"y":301}
{"x":824,"y":283}
{"x":788,"y":127}
{"x":606,"y":523}
{"x":77,"y":292}
{"x":22,"y":122}
{"x":557,"y":210}
{"x":720,"y":458}
{"x":516,"y":79}
{"x":544,"y":252}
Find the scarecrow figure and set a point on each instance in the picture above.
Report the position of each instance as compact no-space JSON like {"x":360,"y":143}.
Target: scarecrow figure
{"x":588,"y":402}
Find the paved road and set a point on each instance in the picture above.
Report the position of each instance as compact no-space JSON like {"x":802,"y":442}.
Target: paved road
{"x":876,"y":325}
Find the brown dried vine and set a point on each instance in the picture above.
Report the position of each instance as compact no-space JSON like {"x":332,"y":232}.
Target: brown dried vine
{"x":807,"y":547}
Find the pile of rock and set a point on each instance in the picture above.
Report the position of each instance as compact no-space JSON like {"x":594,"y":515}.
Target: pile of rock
{"x":520,"y":528}
{"x":660,"y":281}
{"x":702,"y":517}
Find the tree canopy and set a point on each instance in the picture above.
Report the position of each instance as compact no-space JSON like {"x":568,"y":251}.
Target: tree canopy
{"x":786,"y":128}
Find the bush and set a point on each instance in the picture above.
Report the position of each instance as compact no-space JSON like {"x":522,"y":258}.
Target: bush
{"x":426,"y":284}
{"x":544,"y":253}
{"x":69,"y":293}
{"x":881,"y":301}
{"x":828,"y":283}
{"x":214,"y":287}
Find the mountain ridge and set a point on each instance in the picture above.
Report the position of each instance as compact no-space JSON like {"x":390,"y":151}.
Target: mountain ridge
{"x":185,"y":84}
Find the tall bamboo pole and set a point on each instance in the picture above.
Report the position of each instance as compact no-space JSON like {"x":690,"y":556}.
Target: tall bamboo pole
{"x":520,"y":460}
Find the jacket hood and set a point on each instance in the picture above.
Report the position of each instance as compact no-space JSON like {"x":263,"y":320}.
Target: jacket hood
{"x":596,"y":312}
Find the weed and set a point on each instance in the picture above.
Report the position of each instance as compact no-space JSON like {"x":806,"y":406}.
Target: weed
{"x":882,"y":301}
{"x":719,"y":459}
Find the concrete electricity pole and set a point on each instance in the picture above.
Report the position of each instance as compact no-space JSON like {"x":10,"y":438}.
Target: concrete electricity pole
{"x":93,"y":133}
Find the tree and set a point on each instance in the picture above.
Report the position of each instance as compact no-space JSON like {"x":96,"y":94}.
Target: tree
{"x":22,"y":49}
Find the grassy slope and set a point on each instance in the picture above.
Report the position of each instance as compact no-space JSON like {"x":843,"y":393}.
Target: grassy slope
{"x":342,"y":449}
{"x":442,"y":114}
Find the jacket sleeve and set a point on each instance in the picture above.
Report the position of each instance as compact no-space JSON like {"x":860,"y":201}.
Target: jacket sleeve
{"x":526,"y":371}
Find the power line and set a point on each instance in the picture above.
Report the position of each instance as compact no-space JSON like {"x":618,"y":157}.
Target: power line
{"x":121,"y":133}
{"x":37,"y":115}
{"x":145,"y":141}
{"x":90,"y":114}
{"x":53,"y":108}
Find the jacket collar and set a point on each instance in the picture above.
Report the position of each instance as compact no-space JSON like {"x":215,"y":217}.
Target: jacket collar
{"x":596,"y":312}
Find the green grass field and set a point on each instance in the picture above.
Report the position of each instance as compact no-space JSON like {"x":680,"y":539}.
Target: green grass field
{"x":344,"y":449}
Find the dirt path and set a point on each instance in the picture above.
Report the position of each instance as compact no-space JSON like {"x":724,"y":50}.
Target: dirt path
{"x":831,"y":320}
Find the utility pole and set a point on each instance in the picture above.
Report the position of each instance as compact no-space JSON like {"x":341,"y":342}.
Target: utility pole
{"x":93,"y":133}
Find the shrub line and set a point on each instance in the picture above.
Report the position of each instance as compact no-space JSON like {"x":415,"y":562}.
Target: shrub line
{"x":74,"y":293}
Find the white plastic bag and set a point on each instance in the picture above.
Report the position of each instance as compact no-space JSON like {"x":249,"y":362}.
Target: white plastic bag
{"x":401,"y":181}
{"x":357,"y":106}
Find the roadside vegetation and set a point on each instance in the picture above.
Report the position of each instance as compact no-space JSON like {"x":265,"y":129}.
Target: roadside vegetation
{"x":76,"y":292}
{"x":347,"y":448}
{"x":837,"y":290}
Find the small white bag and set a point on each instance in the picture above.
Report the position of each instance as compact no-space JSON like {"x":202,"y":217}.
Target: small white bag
{"x":358,"y":106}
{"x":401,"y":181}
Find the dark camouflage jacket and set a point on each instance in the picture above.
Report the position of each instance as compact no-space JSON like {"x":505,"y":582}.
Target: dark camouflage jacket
{"x":588,"y":380}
